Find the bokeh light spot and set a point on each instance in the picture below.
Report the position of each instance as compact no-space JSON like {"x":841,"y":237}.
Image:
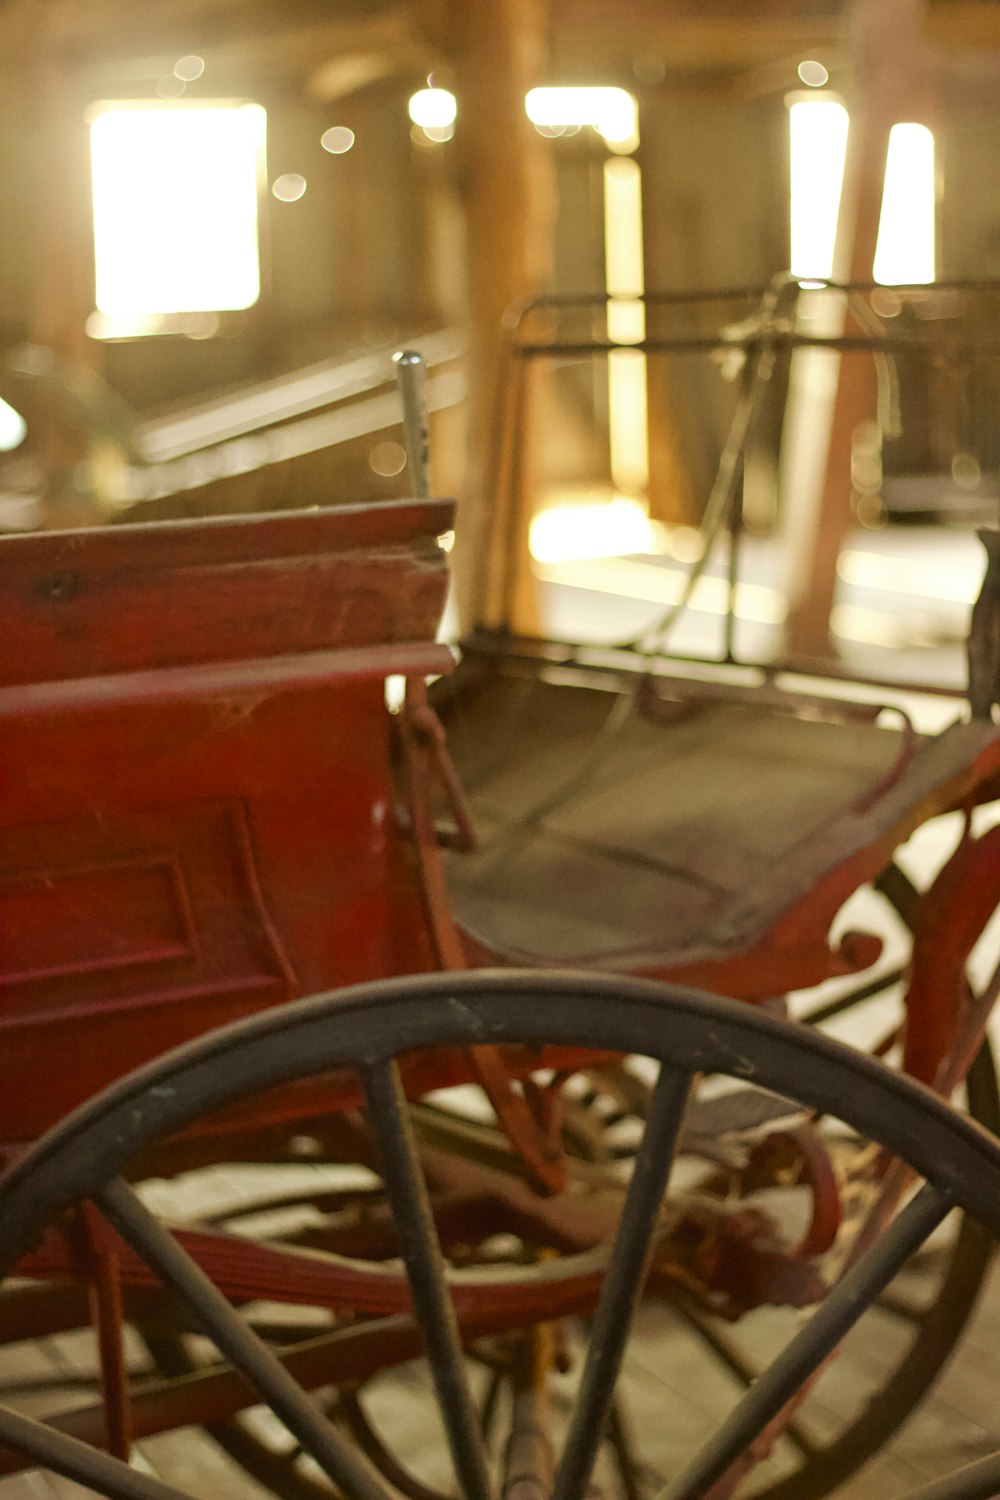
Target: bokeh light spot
{"x":289,"y":187}
{"x":337,"y":140}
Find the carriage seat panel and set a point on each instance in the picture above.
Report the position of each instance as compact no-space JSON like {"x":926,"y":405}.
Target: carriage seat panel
{"x":682,"y":833}
{"x":196,"y":780}
{"x":179,"y":593}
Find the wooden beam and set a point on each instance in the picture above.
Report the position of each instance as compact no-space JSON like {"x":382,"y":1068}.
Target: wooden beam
{"x":705,"y":34}
{"x":110,"y":41}
{"x":963,"y":25}
{"x":56,"y":223}
{"x":498,"y":53}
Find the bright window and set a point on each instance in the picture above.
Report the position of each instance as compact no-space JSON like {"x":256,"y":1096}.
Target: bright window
{"x":175,"y":208}
{"x":905,"y":249}
{"x":611,"y":111}
{"x":818,"y":129}
{"x":13,"y":428}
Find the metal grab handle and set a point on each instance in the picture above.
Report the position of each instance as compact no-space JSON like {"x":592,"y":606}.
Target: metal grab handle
{"x":411,"y":373}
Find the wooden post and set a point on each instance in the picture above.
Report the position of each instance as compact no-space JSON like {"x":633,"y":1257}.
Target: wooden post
{"x":505,"y":184}
{"x":890,"y":85}
{"x":58,"y":225}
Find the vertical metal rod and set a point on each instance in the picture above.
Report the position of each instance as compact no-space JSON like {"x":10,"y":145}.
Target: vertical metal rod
{"x":623,"y":1283}
{"x":411,"y":373}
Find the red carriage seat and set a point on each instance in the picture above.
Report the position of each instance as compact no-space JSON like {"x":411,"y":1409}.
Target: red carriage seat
{"x":198,"y":810}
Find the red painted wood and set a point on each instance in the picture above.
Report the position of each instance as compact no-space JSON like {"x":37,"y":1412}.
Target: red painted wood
{"x":198,"y":810}
{"x":950,"y":919}
{"x":221,"y":679}
{"x":129,"y":598}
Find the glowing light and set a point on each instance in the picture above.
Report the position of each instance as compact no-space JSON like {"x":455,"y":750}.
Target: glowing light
{"x":930,"y":579}
{"x":626,"y":321}
{"x":623,"y":259}
{"x":196,"y":325}
{"x":611,"y":111}
{"x":189,"y":68}
{"x":686,"y":543}
{"x":337,"y":140}
{"x":13,"y":428}
{"x":387,"y":459}
{"x":433,"y":108}
{"x":201,"y":325}
{"x":170,"y":87}
{"x":813,"y":74}
{"x":904,"y":252}
{"x":289,"y":187}
{"x":818,"y":142}
{"x":610,"y":528}
{"x":175,"y":208}
{"x":637,"y":580}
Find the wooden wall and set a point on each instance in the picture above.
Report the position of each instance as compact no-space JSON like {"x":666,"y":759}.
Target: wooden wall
{"x":375,"y":248}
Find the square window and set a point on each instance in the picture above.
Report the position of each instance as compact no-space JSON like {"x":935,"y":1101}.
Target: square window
{"x":175,"y":208}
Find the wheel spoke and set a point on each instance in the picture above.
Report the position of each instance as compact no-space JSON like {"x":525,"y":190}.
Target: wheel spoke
{"x":491,"y":1402}
{"x":842,"y":1003}
{"x":978,"y":1481}
{"x":734,"y":1362}
{"x":899,"y":1307}
{"x":623,"y":1447}
{"x":425,"y":1265}
{"x":79,"y":1462}
{"x":847,"y":1301}
{"x":623,"y":1282}
{"x":741,"y":1370}
{"x":251,"y":1356}
{"x":355,"y":1418}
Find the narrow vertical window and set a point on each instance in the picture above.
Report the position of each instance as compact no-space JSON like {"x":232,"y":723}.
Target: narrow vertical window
{"x":904,"y":253}
{"x":818,"y":146}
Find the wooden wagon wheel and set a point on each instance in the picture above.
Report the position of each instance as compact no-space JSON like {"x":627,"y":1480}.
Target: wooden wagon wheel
{"x":602,"y":1117}
{"x":686,"y":1033}
{"x":949,"y":1283}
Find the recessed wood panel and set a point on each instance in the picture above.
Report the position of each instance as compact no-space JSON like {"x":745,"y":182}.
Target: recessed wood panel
{"x":145,"y":907}
{"x":55,"y":924}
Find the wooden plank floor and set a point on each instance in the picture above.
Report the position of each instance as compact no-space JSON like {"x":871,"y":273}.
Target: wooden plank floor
{"x":674,"y":1397}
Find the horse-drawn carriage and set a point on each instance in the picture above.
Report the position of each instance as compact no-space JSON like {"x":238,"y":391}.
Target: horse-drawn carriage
{"x":213,"y":811}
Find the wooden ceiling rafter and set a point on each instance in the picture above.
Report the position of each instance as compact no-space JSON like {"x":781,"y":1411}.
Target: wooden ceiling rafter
{"x":394,"y":44}
{"x":337,"y":50}
{"x":260,"y":37}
